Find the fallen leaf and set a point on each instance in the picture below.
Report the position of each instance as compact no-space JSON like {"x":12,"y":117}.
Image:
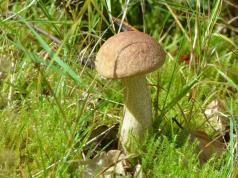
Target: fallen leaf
{"x":207,"y":147}
{"x":215,"y":116}
{"x":106,"y":165}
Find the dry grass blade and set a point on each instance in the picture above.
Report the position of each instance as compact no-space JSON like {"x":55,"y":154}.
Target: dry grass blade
{"x":177,"y":21}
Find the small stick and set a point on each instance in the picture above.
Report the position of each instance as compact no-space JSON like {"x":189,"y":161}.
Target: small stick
{"x":124,"y":25}
{"x":38,"y":29}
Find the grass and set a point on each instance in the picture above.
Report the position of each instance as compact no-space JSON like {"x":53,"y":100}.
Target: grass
{"x":50,"y":102}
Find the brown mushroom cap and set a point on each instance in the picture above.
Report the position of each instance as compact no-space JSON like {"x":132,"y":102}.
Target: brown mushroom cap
{"x":128,"y":54}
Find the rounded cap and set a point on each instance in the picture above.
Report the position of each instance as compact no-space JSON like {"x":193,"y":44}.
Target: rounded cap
{"x":128,"y":54}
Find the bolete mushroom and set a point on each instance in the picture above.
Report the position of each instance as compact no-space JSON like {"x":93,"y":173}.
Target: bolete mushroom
{"x":129,"y":56}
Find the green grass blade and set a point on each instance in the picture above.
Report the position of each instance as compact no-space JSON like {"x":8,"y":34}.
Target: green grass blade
{"x":55,"y":58}
{"x":180,"y":95}
{"x":228,"y":79}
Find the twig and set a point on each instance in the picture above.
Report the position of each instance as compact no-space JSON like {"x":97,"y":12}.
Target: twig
{"x":36,"y":28}
{"x":47,"y":34}
{"x":124,"y":25}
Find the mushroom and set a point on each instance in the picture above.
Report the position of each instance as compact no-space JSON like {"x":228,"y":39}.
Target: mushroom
{"x":129,"y":56}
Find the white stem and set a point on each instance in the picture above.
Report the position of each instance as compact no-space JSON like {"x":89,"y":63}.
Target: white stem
{"x":138,"y":111}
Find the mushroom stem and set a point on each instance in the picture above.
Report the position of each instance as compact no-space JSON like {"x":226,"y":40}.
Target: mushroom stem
{"x":138,"y":111}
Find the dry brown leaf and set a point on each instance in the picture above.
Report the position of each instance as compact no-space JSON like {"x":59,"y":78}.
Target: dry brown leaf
{"x":215,"y":116}
{"x":207,"y":147}
{"x":106,"y":165}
